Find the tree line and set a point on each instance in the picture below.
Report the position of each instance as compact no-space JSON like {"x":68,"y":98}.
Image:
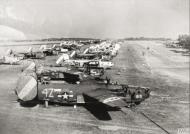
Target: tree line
{"x":184,"y":41}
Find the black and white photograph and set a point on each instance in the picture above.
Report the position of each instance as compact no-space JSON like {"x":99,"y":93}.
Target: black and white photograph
{"x":94,"y":67}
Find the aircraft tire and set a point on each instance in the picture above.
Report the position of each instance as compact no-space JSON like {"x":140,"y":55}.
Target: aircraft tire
{"x":46,"y":103}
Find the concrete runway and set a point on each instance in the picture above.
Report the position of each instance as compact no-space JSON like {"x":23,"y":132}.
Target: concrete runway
{"x":168,"y":105}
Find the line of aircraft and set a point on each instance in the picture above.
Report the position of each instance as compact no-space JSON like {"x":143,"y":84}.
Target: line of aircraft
{"x":77,"y":79}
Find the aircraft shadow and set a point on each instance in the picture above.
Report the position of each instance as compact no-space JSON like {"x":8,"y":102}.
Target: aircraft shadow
{"x":184,"y":53}
{"x":98,"y":109}
{"x":28,"y":104}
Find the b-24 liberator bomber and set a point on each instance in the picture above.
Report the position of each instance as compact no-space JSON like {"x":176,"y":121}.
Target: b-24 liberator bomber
{"x":88,"y":92}
{"x":30,"y":54}
{"x":10,"y":58}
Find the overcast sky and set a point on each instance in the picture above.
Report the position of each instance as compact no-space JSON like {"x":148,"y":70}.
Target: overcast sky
{"x":30,"y":19}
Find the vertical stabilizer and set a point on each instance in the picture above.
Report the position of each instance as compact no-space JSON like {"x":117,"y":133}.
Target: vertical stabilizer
{"x":63,"y":57}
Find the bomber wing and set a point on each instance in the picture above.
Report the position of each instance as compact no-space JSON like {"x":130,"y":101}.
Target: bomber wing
{"x":99,"y":102}
{"x":105,"y":97}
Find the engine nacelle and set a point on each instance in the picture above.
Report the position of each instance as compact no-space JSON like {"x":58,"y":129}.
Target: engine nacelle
{"x":136,"y":94}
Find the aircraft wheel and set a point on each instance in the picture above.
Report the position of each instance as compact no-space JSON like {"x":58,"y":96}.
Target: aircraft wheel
{"x":75,"y":106}
{"x":46,"y":103}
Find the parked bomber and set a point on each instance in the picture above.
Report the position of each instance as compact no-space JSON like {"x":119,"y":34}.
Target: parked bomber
{"x":48,"y":51}
{"x":46,"y":74}
{"x":89,"y":92}
{"x":80,"y":63}
{"x":90,"y":56}
{"x":70,"y":45}
{"x":55,"y":49}
{"x":32,"y":55}
{"x":9,"y":58}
